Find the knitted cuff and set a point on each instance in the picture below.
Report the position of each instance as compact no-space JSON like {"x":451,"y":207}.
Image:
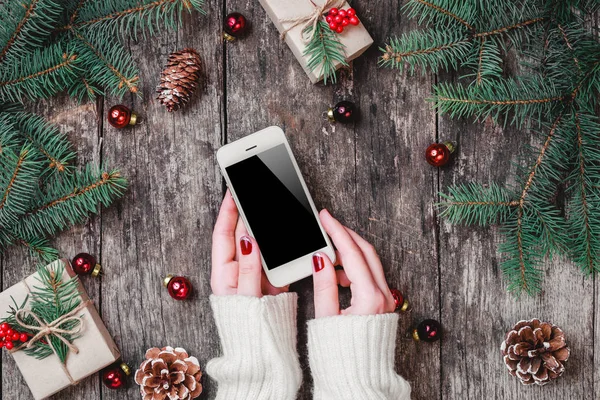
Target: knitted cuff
{"x":352,"y":357}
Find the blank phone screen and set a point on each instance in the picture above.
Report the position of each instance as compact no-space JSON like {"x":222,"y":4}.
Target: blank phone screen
{"x":276,"y":206}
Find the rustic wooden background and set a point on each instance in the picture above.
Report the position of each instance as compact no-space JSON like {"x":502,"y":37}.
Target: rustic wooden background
{"x":371,"y":175}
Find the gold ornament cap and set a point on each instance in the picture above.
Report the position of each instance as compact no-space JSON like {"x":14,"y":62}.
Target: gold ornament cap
{"x":228,"y":37}
{"x":415,"y":335}
{"x":125,"y":368}
{"x":330,"y":116}
{"x":97,"y":270}
{"x":405,"y":306}
{"x":451,"y":146}
{"x":166,"y":280}
{"x":133,"y":119}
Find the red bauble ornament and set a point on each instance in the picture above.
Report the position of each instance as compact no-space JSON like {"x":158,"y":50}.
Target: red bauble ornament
{"x":84,"y":264}
{"x":428,"y":331}
{"x":438,"y":154}
{"x":235,"y":26}
{"x":114,"y":375}
{"x":344,"y":112}
{"x":120,"y":116}
{"x":401,"y":302}
{"x":338,"y":19}
{"x":180,"y":288}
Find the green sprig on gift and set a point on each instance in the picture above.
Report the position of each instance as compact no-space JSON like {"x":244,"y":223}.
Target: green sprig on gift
{"x":51,"y":300}
{"x":556,"y":100}
{"x":324,"y":50}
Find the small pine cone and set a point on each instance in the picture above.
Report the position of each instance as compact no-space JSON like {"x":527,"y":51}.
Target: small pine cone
{"x":535,"y":352}
{"x":179,"y":79}
{"x":169,"y":373}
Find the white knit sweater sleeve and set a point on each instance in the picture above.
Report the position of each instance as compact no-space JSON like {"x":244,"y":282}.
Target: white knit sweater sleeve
{"x":258,"y":340}
{"x":352,"y":358}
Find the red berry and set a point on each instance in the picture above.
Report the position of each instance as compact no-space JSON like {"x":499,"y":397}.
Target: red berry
{"x":4,"y":326}
{"x":354,"y":21}
{"x":2,"y":333}
{"x":15,"y":336}
{"x":342,"y":13}
{"x":351,"y":12}
{"x":337,"y":19}
{"x":329,"y":18}
{"x":334,"y":11}
{"x":9,"y":332}
{"x":1,"y":345}
{"x":333,"y":26}
{"x":23,"y":337}
{"x":9,"y":345}
{"x":345,"y":22}
{"x":339,"y":29}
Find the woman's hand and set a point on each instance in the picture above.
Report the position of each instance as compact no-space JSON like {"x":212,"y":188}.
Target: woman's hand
{"x":362,"y":272}
{"x":236,"y":262}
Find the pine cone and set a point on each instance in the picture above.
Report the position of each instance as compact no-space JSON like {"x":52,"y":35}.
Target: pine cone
{"x":535,"y":352}
{"x":169,"y":373}
{"x":179,"y":79}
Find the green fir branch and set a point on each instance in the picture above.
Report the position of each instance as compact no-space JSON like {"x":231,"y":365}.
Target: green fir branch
{"x":444,"y":13}
{"x":324,"y":51}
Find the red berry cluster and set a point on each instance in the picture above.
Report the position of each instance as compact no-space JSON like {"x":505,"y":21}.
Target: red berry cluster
{"x":338,"y":19}
{"x":8,"y":336}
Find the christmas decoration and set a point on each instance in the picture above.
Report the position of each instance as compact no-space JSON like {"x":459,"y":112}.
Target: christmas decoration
{"x":114,"y":376}
{"x":344,"y":112}
{"x":428,"y":331}
{"x":438,"y":154}
{"x":234,"y":26}
{"x":179,"y":287}
{"x":320,"y":51}
{"x":401,"y":303}
{"x":557,"y":100}
{"x":535,"y":352}
{"x":179,"y":79}
{"x":169,"y":372}
{"x":120,"y":116}
{"x":67,"y":332}
{"x":47,"y":47}
{"x":338,"y":19}
{"x":84,"y":264}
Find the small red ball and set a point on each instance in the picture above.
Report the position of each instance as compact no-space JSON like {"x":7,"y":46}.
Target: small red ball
{"x":84,"y":264}
{"x":180,"y":288}
{"x":4,"y":326}
{"x":353,"y":21}
{"x":438,"y":154}
{"x":9,"y":345}
{"x":235,"y":24}
{"x":339,"y":29}
{"x":337,"y":19}
{"x":333,"y":26}
{"x":113,"y":376}
{"x":351,"y":12}
{"x":9,"y":332}
{"x":15,"y":336}
{"x":334,"y":11}
{"x":120,"y":116}
{"x":23,"y":337}
{"x":345,"y":22}
{"x":329,"y":18}
{"x":2,"y":334}
{"x":342,"y":13}
{"x":399,"y":300}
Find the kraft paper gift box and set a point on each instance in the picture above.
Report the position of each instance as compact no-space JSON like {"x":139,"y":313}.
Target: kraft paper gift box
{"x":356,"y":39}
{"x":96,"y":347}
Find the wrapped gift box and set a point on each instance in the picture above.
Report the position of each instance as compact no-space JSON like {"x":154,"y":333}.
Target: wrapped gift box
{"x":356,"y":39}
{"x":96,"y":347}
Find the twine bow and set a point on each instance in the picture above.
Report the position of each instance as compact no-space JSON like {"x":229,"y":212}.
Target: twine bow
{"x":311,"y":19}
{"x":53,"y":328}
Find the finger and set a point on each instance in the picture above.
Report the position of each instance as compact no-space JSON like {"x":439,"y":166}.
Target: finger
{"x":250,"y":268}
{"x":223,"y":247}
{"x":342,"y":278}
{"x":269,"y":289}
{"x":355,"y":265}
{"x":339,"y":262}
{"x":240,"y":230}
{"x":373,"y":262}
{"x":327,"y":302}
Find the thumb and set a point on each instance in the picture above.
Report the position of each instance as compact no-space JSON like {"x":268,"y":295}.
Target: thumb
{"x":250,"y":268}
{"x":327,"y":302}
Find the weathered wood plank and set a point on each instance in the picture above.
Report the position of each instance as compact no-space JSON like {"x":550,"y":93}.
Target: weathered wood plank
{"x":165,"y":221}
{"x":79,"y":123}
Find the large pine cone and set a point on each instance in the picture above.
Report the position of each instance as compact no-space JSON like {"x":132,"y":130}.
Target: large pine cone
{"x":169,"y":373}
{"x":179,"y":79}
{"x":535,"y":352}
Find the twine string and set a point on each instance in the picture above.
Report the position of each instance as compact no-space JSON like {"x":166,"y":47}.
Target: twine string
{"x":311,"y":19}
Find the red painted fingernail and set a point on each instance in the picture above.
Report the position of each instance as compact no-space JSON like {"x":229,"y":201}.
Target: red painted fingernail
{"x":246,"y":245}
{"x":318,"y":262}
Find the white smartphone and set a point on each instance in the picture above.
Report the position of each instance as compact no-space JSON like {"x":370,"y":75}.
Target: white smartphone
{"x":274,"y":203}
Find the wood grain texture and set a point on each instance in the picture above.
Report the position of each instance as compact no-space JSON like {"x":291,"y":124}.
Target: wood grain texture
{"x":371,"y":175}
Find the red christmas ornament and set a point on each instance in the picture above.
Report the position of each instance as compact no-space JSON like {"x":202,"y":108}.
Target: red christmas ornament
{"x":344,"y":112}
{"x":428,"y":331}
{"x":179,"y":287}
{"x":235,"y":25}
{"x":401,"y":302}
{"x":438,"y":154}
{"x":120,"y":116}
{"x":338,"y":19}
{"x":114,"y":376}
{"x":84,"y":264}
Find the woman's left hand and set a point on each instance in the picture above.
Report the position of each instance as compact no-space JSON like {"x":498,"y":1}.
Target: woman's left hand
{"x":236,"y":262}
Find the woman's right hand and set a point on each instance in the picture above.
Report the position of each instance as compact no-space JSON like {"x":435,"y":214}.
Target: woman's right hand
{"x":362,"y":272}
